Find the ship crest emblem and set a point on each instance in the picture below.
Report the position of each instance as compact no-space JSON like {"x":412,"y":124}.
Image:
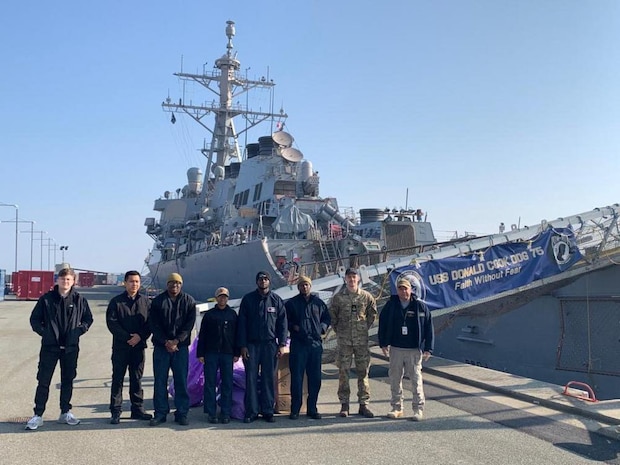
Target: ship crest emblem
{"x":417,"y":283}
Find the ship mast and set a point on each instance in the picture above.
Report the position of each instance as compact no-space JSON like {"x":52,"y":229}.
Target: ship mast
{"x":227,"y":84}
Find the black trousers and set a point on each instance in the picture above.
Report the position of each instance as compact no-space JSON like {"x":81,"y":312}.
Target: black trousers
{"x":48,"y":358}
{"x":262,"y":359}
{"x":123,"y":359}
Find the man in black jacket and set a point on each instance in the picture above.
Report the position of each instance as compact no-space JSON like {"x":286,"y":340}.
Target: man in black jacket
{"x":60,"y":317}
{"x":126,"y":318}
{"x":406,"y":334}
{"x":308,"y":318}
{"x":217,"y":349}
{"x":261,"y":334}
{"x":171,"y":319}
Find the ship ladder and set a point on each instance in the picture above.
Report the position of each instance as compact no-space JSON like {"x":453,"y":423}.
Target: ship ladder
{"x":588,"y":394}
{"x":329,"y":253}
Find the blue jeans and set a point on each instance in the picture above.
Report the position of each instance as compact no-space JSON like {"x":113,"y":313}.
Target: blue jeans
{"x":305,"y":358}
{"x":163,"y":361}
{"x":224,"y":362}
{"x":263,"y":358}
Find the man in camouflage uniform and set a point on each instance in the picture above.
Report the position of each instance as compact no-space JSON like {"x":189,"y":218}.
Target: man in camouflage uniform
{"x":353,"y":311}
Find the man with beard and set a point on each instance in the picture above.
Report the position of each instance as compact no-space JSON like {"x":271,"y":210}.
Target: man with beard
{"x":172,"y":318}
{"x":261,"y":334}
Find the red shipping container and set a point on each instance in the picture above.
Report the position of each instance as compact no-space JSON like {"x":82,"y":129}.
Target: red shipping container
{"x":30,"y":285}
{"x":86,"y":279}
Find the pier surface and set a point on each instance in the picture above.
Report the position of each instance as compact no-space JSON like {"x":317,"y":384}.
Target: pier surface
{"x":473,"y":416}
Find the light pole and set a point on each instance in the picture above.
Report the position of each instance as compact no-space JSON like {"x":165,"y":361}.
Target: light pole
{"x":62,"y":249}
{"x":31,"y":238}
{"x":16,"y":226}
{"x":49,"y":246}
{"x":41,"y":239}
{"x":31,"y":227}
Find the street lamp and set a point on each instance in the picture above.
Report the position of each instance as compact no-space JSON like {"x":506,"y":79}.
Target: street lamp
{"x":16,"y":225}
{"x":62,"y":249}
{"x":31,"y":227}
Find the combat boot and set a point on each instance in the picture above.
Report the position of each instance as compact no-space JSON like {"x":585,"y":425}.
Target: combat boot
{"x":344,"y":410}
{"x":365,"y":411}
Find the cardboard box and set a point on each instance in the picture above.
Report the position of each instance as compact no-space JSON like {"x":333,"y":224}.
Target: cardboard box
{"x":283,"y":387}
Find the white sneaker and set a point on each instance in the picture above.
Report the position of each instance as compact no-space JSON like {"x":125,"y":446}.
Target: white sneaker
{"x":68,"y":418}
{"x":34,"y":422}
{"x":418,"y":415}
{"x":395,"y":413}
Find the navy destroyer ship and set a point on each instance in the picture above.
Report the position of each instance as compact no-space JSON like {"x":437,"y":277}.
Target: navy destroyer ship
{"x":539,"y":301}
{"x":258,"y":207}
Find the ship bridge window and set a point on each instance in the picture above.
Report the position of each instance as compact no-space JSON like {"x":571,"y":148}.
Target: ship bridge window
{"x":241,"y":198}
{"x":257,"y":191}
{"x":286,"y":188}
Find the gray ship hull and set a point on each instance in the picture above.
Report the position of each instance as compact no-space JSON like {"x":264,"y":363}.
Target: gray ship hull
{"x":567,"y":333}
{"x":234,"y":267}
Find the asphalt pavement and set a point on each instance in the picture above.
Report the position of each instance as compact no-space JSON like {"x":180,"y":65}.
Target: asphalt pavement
{"x":473,"y":416}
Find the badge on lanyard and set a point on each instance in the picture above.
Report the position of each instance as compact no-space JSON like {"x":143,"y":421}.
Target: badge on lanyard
{"x":271,"y":309}
{"x":404,"y":330}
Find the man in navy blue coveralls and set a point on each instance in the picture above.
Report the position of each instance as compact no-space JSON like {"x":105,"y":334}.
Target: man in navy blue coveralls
{"x":261,"y":334}
{"x":308,"y":318}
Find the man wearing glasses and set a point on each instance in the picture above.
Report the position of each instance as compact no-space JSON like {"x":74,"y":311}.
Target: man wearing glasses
{"x":261,"y":334}
{"x":172,"y":317}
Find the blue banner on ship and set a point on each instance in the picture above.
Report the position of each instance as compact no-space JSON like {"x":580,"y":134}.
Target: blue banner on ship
{"x":452,"y":281}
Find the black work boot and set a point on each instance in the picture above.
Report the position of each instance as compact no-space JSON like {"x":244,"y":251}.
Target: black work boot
{"x":344,"y":410}
{"x":365,"y":411}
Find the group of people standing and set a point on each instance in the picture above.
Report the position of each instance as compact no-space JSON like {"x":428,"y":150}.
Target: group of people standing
{"x":257,"y":334}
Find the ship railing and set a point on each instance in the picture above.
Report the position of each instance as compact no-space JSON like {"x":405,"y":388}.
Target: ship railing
{"x":317,"y":269}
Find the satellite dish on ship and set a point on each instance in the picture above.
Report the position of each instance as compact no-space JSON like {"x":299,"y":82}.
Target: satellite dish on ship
{"x":291,"y":154}
{"x":283,"y":139}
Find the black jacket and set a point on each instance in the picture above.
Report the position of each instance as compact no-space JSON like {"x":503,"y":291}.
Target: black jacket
{"x":416,"y":317}
{"x":218,"y":332}
{"x":126,"y":316}
{"x":310,"y":316}
{"x":51,"y":309}
{"x":170,"y":320}
{"x":262,"y":318}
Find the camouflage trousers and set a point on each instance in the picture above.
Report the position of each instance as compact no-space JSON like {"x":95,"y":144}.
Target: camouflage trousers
{"x":344,"y":357}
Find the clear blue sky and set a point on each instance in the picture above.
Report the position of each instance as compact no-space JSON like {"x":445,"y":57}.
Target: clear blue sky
{"x":484,"y":111}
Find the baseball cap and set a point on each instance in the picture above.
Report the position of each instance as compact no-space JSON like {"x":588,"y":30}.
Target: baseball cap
{"x":222,"y":291}
{"x":351,"y":271}
{"x":402,"y":282}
